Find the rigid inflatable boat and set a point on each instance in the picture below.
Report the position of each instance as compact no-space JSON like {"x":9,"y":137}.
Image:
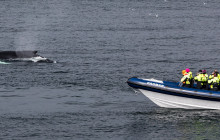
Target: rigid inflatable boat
{"x":171,"y":95}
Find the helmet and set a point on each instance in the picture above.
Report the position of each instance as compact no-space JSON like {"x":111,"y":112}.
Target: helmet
{"x":187,"y":70}
{"x":183,"y":72}
{"x":203,"y":71}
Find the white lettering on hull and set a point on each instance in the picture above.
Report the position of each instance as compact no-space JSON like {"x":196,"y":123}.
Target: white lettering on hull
{"x":155,"y":84}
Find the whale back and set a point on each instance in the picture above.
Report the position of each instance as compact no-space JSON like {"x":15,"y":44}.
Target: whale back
{"x":17,"y":54}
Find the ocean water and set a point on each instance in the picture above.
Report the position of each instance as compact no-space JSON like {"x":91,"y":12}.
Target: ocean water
{"x":98,"y":45}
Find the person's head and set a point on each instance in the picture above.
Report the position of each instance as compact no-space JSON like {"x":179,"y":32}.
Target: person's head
{"x":187,"y":70}
{"x":183,"y":72}
{"x":203,"y":71}
{"x":199,"y":72}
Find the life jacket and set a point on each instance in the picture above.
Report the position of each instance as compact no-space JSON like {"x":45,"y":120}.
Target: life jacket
{"x":190,"y":75}
{"x":211,"y":76}
{"x":204,"y":77}
{"x":198,"y":77}
{"x":218,"y":75}
{"x":186,"y":79}
{"x":213,"y":82}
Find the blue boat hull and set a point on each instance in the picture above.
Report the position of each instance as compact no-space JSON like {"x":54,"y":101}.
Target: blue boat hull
{"x":170,"y":95}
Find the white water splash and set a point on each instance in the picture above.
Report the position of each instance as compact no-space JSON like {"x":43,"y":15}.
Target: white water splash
{"x":1,"y":62}
{"x":35,"y":59}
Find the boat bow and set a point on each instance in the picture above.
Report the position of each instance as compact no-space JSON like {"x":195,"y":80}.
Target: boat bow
{"x":171,"y":95}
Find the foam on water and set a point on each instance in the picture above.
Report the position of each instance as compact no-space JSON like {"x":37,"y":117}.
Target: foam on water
{"x":35,"y":59}
{"x":32,"y":59}
{"x":1,"y":62}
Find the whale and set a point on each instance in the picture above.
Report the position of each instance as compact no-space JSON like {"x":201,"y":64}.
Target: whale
{"x":17,"y":54}
{"x":23,"y":55}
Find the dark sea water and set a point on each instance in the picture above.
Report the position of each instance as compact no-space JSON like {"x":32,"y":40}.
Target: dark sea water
{"x":98,"y":45}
